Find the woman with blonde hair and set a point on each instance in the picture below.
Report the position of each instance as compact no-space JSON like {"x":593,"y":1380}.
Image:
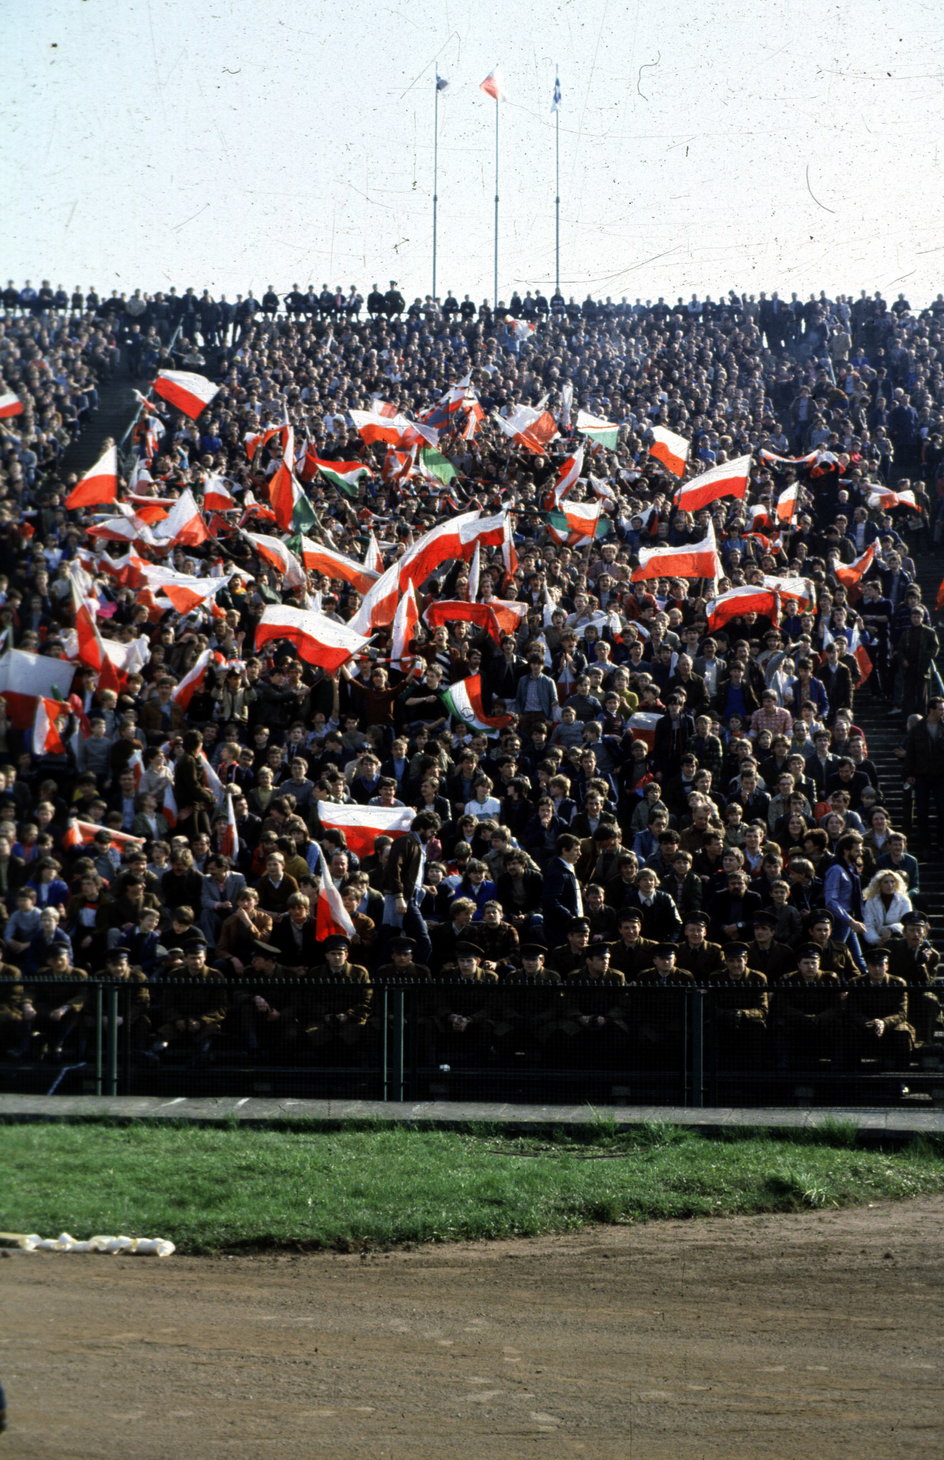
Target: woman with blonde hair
{"x":885,"y":902}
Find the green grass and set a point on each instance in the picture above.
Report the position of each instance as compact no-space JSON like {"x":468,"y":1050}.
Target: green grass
{"x":212,"y":1189}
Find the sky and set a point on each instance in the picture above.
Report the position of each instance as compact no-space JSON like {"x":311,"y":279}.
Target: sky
{"x":755,"y":144}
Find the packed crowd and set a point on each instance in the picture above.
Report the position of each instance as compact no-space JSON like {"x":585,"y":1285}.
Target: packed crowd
{"x":643,"y":796}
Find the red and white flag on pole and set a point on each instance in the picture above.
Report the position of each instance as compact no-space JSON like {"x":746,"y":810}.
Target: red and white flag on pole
{"x":273,"y":551}
{"x":183,"y":525}
{"x":531,"y":427}
{"x":884,"y":500}
{"x":787,"y":505}
{"x":405,"y":620}
{"x":583,"y":519}
{"x":229,"y":840}
{"x":331,"y":916}
{"x":568,"y":475}
{"x":99,"y":484}
{"x":46,"y":737}
{"x":747,"y":599}
{"x":497,"y":617}
{"x":727,"y":480}
{"x":10,"y":405}
{"x":319,"y":559}
{"x":692,"y":560}
{"x":317,"y":638}
{"x":192,"y":680}
{"x":670,"y":449}
{"x":217,"y":496}
{"x":642,"y":726}
{"x":190,"y":393}
{"x":850,"y":573}
{"x":455,"y":538}
{"x":363,"y":824}
{"x":493,"y":85}
{"x":80,"y":833}
{"x":373,"y":558}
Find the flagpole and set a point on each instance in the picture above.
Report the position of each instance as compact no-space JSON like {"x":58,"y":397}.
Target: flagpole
{"x":435,"y":171}
{"x":495,"y":289}
{"x":557,"y":197}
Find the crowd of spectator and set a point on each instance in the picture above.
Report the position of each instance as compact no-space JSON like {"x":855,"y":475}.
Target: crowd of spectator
{"x":660,"y":804}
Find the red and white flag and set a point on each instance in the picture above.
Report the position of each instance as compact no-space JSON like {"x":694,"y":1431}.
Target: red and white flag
{"x":583,"y":519}
{"x":568,"y":475}
{"x":192,"y":680}
{"x":80,"y":833}
{"x":642,"y":726}
{"x":46,"y":737}
{"x":727,"y":480}
{"x":363,"y":824}
{"x":319,"y":559}
{"x":373,"y":558}
{"x":217,"y":496}
{"x":331,"y":916}
{"x":405,"y":621}
{"x":455,"y":538}
{"x":273,"y":551}
{"x":26,"y":677}
{"x":747,"y":599}
{"x":692,"y":560}
{"x":850,"y":573}
{"x":99,"y":484}
{"x":229,"y":839}
{"x":670,"y":449}
{"x":396,"y":430}
{"x":497,"y":617}
{"x":10,"y":405}
{"x":770,"y":458}
{"x":169,"y":805}
{"x":493,"y":85}
{"x":531,"y":427}
{"x":183,"y":525}
{"x":190,"y":393}
{"x":884,"y":500}
{"x":317,"y":638}
{"x":787,"y":505}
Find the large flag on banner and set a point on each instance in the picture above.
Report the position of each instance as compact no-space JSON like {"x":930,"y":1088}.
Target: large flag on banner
{"x":10,"y":405}
{"x":530,"y":427}
{"x":331,"y":916}
{"x":850,"y":573}
{"x":493,"y":85}
{"x":317,"y":638}
{"x":691,"y":560}
{"x":362,"y":824}
{"x":576,"y":522}
{"x":670,"y":449}
{"x":318,"y":559}
{"x":747,"y":599}
{"x":728,"y":480}
{"x":190,"y":393}
{"x":604,"y":433}
{"x":464,"y":700}
{"x":99,"y":484}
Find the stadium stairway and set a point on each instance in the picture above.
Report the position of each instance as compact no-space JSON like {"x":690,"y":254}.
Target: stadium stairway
{"x":116,"y":407}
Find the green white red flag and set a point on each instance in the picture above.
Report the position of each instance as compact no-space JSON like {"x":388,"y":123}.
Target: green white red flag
{"x":463,"y":700}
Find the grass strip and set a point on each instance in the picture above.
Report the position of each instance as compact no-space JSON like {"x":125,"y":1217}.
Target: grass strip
{"x":212,"y":1189}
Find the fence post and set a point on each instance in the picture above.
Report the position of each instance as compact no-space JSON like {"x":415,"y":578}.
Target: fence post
{"x":113,"y":1040}
{"x":698,"y":1048}
{"x":98,"y":1039}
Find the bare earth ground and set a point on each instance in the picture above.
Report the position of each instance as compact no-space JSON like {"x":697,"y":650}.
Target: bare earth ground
{"x":813,"y":1335}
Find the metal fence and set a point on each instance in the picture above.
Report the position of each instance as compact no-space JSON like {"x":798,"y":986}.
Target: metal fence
{"x":525,"y":1042}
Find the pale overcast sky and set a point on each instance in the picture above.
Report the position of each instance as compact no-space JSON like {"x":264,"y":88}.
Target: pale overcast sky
{"x":755,"y":144}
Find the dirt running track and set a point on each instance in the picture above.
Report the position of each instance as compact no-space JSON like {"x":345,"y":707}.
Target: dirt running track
{"x":815,"y":1335}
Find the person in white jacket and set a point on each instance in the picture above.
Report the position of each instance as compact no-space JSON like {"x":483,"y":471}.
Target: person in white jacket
{"x":885,"y":902}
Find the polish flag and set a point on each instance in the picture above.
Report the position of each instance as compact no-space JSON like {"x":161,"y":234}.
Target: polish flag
{"x":274,"y":552}
{"x":281,"y":495}
{"x":188,"y":392}
{"x":46,"y":737}
{"x":26,"y":677}
{"x":748,"y":599}
{"x":147,"y":405}
{"x":568,"y":475}
{"x":670,"y":449}
{"x":791,"y":590}
{"x":453,"y":539}
{"x":318,"y":559}
{"x":787,"y":505}
{"x":642,"y":726}
{"x":331,"y":916}
{"x":363,"y":824}
{"x":493,"y":85}
{"x":728,"y":480}
{"x":151,"y":509}
{"x":373,"y":558}
{"x":530,"y":427}
{"x":256,"y":441}
{"x":885,"y":500}
{"x":509,"y":551}
{"x":99,"y":484}
{"x":80,"y":833}
{"x":229,"y":840}
{"x":770,"y":458}
{"x":497,"y":617}
{"x":317,"y":638}
{"x":397,"y":466}
{"x":10,"y":405}
{"x":217,"y":496}
{"x":694,"y":560}
{"x":91,"y":647}
{"x":851,"y":573}
{"x":396,"y":430}
{"x":192,"y":680}
{"x":124,"y":528}
{"x":169,"y":804}
{"x":183,"y":525}
{"x":405,"y":620}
